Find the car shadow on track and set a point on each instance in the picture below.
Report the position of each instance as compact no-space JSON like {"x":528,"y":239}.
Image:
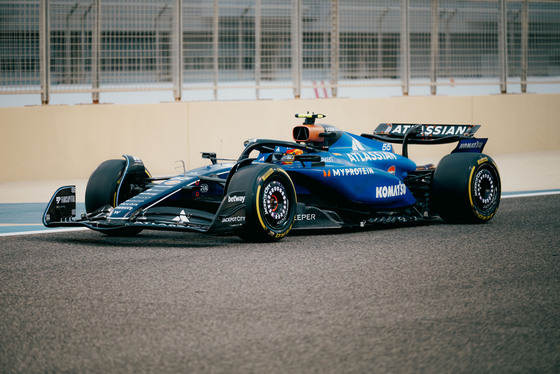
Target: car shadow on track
{"x":174,"y":239}
{"x":149,"y":239}
{"x":368,"y":228}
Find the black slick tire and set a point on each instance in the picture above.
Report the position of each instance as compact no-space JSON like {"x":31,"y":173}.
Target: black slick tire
{"x":270,"y":202}
{"x":101,"y":190}
{"x":466,"y":188}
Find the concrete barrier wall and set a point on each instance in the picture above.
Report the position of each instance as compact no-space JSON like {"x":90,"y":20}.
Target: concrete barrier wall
{"x":65,"y":142}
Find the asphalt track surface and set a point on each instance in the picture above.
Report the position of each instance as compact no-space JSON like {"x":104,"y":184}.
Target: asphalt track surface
{"x":431,"y":298}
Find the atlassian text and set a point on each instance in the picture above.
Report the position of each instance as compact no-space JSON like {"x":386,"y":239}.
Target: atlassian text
{"x":432,"y":130}
{"x":370,"y":156}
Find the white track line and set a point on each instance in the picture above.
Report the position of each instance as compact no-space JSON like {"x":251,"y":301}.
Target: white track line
{"x":530,"y":194}
{"x":508,"y":195}
{"x":46,"y":231}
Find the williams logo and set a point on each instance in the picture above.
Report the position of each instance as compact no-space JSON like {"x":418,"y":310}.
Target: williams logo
{"x":181,"y":218}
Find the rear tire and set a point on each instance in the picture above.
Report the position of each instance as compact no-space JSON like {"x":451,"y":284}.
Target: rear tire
{"x":101,"y":190}
{"x":270,"y":202}
{"x":466,"y":188}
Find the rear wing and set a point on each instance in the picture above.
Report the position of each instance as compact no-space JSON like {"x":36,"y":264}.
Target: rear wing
{"x":408,"y":133}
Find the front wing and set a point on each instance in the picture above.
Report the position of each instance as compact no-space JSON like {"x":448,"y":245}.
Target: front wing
{"x":61,"y":212}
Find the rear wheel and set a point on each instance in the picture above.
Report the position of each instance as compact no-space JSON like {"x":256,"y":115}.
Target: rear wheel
{"x":270,"y":202}
{"x":103,"y":189}
{"x":466,"y":188}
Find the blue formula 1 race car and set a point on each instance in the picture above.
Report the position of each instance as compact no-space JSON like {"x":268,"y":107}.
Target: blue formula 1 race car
{"x":326,"y":178}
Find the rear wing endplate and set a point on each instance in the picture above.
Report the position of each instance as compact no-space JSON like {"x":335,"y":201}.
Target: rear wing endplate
{"x":408,"y":133}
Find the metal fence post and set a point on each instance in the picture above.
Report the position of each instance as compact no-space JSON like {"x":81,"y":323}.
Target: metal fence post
{"x":68,"y":76}
{"x":216,"y":47}
{"x":502,"y":45}
{"x":379,"y":48}
{"x":258,"y":48}
{"x":524,"y":44}
{"x":434,"y":47}
{"x":240,"y":46}
{"x":83,"y":32}
{"x":95,"y":51}
{"x":296,"y":47}
{"x":405,"y":47}
{"x":178,"y":52}
{"x":335,"y":64}
{"x":44,"y":51}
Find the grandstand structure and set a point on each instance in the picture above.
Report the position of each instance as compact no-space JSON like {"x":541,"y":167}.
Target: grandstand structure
{"x":94,"y":46}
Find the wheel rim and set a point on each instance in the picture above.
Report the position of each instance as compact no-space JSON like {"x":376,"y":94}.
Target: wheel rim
{"x":486,"y":190}
{"x":275,"y":204}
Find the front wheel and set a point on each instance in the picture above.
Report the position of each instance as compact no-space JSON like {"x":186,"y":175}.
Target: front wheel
{"x":466,"y":188}
{"x":103,"y":187}
{"x":270,"y":202}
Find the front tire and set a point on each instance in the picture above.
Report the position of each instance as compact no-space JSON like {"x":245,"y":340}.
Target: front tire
{"x":466,"y":188}
{"x":270,"y":202}
{"x":101,"y":190}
